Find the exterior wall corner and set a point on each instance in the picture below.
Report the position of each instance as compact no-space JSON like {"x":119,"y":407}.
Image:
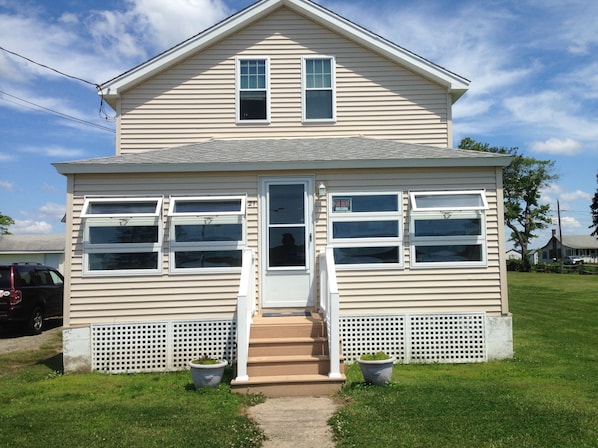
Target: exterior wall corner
{"x":76,"y":344}
{"x":499,"y":337}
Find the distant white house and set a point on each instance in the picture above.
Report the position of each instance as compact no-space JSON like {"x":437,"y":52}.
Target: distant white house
{"x":513,"y":254}
{"x":584,"y":246}
{"x":44,"y":249}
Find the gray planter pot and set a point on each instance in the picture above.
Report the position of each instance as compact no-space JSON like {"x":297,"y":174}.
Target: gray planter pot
{"x":207,"y":375}
{"x":377,"y":372}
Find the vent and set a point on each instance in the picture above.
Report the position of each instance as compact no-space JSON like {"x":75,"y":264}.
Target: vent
{"x":159,"y":346}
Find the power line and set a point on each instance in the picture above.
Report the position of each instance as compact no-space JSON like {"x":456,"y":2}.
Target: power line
{"x":97,"y":86}
{"x":31,"y":105}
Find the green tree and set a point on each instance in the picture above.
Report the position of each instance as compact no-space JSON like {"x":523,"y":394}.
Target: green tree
{"x":523,"y":181}
{"x":5,"y":221}
{"x":594,"y":208}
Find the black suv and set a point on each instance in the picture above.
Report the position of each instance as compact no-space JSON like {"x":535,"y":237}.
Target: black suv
{"x":29,"y":293}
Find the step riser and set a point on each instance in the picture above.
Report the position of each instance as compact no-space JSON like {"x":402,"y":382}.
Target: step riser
{"x":274,"y":349}
{"x":288,"y":368}
{"x":307,"y":330}
{"x":290,"y":390}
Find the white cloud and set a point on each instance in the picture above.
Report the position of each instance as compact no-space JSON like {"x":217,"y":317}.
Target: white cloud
{"x":52,"y":210}
{"x":29,"y":226}
{"x":55,"y":151}
{"x":6,"y":185}
{"x":6,"y":157}
{"x":50,"y":188}
{"x":567,"y":146}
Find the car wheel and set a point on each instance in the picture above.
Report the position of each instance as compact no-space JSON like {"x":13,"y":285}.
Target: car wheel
{"x":36,"y":321}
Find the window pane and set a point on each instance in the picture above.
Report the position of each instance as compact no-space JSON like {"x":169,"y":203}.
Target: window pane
{"x":287,"y":246}
{"x":252,"y":105}
{"x":366,"y":255}
{"x":449,"y":253}
{"x":318,"y":74}
{"x":287,"y":204}
{"x":122,"y":235}
{"x":365,"y":203}
{"x":207,"y":206}
{"x":318,"y":104}
{"x":365,"y":229}
{"x":5,"y":282}
{"x":448,"y":227}
{"x":208,"y":259}
{"x":123,"y":261}
{"x":435,"y":201}
{"x":113,"y":208}
{"x":208,"y":232}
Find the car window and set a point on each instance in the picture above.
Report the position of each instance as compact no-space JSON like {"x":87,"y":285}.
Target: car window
{"x":5,"y":278}
{"x":25,"y":276}
{"x":56,"y":279}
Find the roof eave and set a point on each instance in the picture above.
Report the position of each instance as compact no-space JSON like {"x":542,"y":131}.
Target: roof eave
{"x":130,"y":168}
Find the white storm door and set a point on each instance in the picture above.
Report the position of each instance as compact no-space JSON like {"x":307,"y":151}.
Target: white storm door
{"x":287,"y":256}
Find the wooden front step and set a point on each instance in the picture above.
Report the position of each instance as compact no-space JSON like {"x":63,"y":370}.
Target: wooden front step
{"x":288,"y":356}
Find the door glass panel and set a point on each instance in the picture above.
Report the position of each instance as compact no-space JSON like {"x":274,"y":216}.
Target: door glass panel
{"x":286,"y":225}
{"x":287,"y":204}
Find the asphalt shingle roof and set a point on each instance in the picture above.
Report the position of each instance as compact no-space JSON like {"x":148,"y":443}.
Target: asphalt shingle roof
{"x":297,"y":153}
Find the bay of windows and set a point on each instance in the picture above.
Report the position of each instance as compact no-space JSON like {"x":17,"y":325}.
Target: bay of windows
{"x":366,"y":228}
{"x":447,"y":229}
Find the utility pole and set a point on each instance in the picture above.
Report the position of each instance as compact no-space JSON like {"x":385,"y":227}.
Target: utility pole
{"x":562,"y":257}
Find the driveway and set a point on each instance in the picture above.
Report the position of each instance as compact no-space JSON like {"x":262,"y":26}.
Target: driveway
{"x":12,"y":340}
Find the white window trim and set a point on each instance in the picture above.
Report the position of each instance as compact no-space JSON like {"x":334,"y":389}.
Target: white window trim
{"x":448,"y":213}
{"x":194,"y":218}
{"x":125,"y":219}
{"x":175,"y":199}
{"x":367,"y":242}
{"x":304,"y":89}
{"x":415,"y":208}
{"x":89,"y":200}
{"x":238,"y":90}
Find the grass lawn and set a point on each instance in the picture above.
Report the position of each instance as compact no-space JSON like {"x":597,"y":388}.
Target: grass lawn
{"x":547,"y":396}
{"x":40,"y":407}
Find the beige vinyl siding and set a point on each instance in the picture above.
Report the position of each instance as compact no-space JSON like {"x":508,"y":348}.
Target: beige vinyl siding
{"x":195,"y":100}
{"x":155,"y":297}
{"x":420,"y":290}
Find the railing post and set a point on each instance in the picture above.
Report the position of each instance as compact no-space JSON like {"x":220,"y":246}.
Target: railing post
{"x":332,"y":313}
{"x":245,"y":311}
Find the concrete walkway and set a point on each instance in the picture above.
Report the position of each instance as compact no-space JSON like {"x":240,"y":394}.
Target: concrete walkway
{"x":295,"y":422}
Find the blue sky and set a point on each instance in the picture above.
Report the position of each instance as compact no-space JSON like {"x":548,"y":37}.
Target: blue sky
{"x":533,"y":66}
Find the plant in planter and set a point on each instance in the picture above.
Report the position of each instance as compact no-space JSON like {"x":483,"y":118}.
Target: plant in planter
{"x":206,"y":371}
{"x":376,"y":368}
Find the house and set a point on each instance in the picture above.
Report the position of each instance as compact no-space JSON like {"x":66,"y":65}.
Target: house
{"x":43,"y":249}
{"x":284,"y":166}
{"x":513,"y":254}
{"x":584,"y":246}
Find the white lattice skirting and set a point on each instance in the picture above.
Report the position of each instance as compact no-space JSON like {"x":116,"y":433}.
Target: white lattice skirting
{"x":417,"y":338}
{"x":412,"y":338}
{"x":159,"y":346}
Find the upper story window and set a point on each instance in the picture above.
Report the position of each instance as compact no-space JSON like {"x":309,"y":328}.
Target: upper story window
{"x":447,"y":229}
{"x":318,"y":89}
{"x":366,"y":228}
{"x":253,"y":90}
{"x":122,"y":235}
{"x":206,"y":233}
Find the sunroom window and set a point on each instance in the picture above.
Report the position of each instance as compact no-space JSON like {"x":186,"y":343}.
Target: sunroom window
{"x":252,"y":94}
{"x":206,"y":233}
{"x":318,"y":89}
{"x":447,"y":229}
{"x":122,"y":235}
{"x":366,"y":228}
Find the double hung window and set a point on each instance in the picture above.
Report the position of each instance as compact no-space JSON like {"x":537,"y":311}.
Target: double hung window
{"x":447,"y":229}
{"x":366,"y":228}
{"x":122,"y":235}
{"x":206,"y":233}
{"x":252,"y":90}
{"x":318,"y":89}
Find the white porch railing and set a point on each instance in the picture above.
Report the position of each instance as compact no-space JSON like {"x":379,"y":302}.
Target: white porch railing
{"x":329,"y":305}
{"x":246,"y":309}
